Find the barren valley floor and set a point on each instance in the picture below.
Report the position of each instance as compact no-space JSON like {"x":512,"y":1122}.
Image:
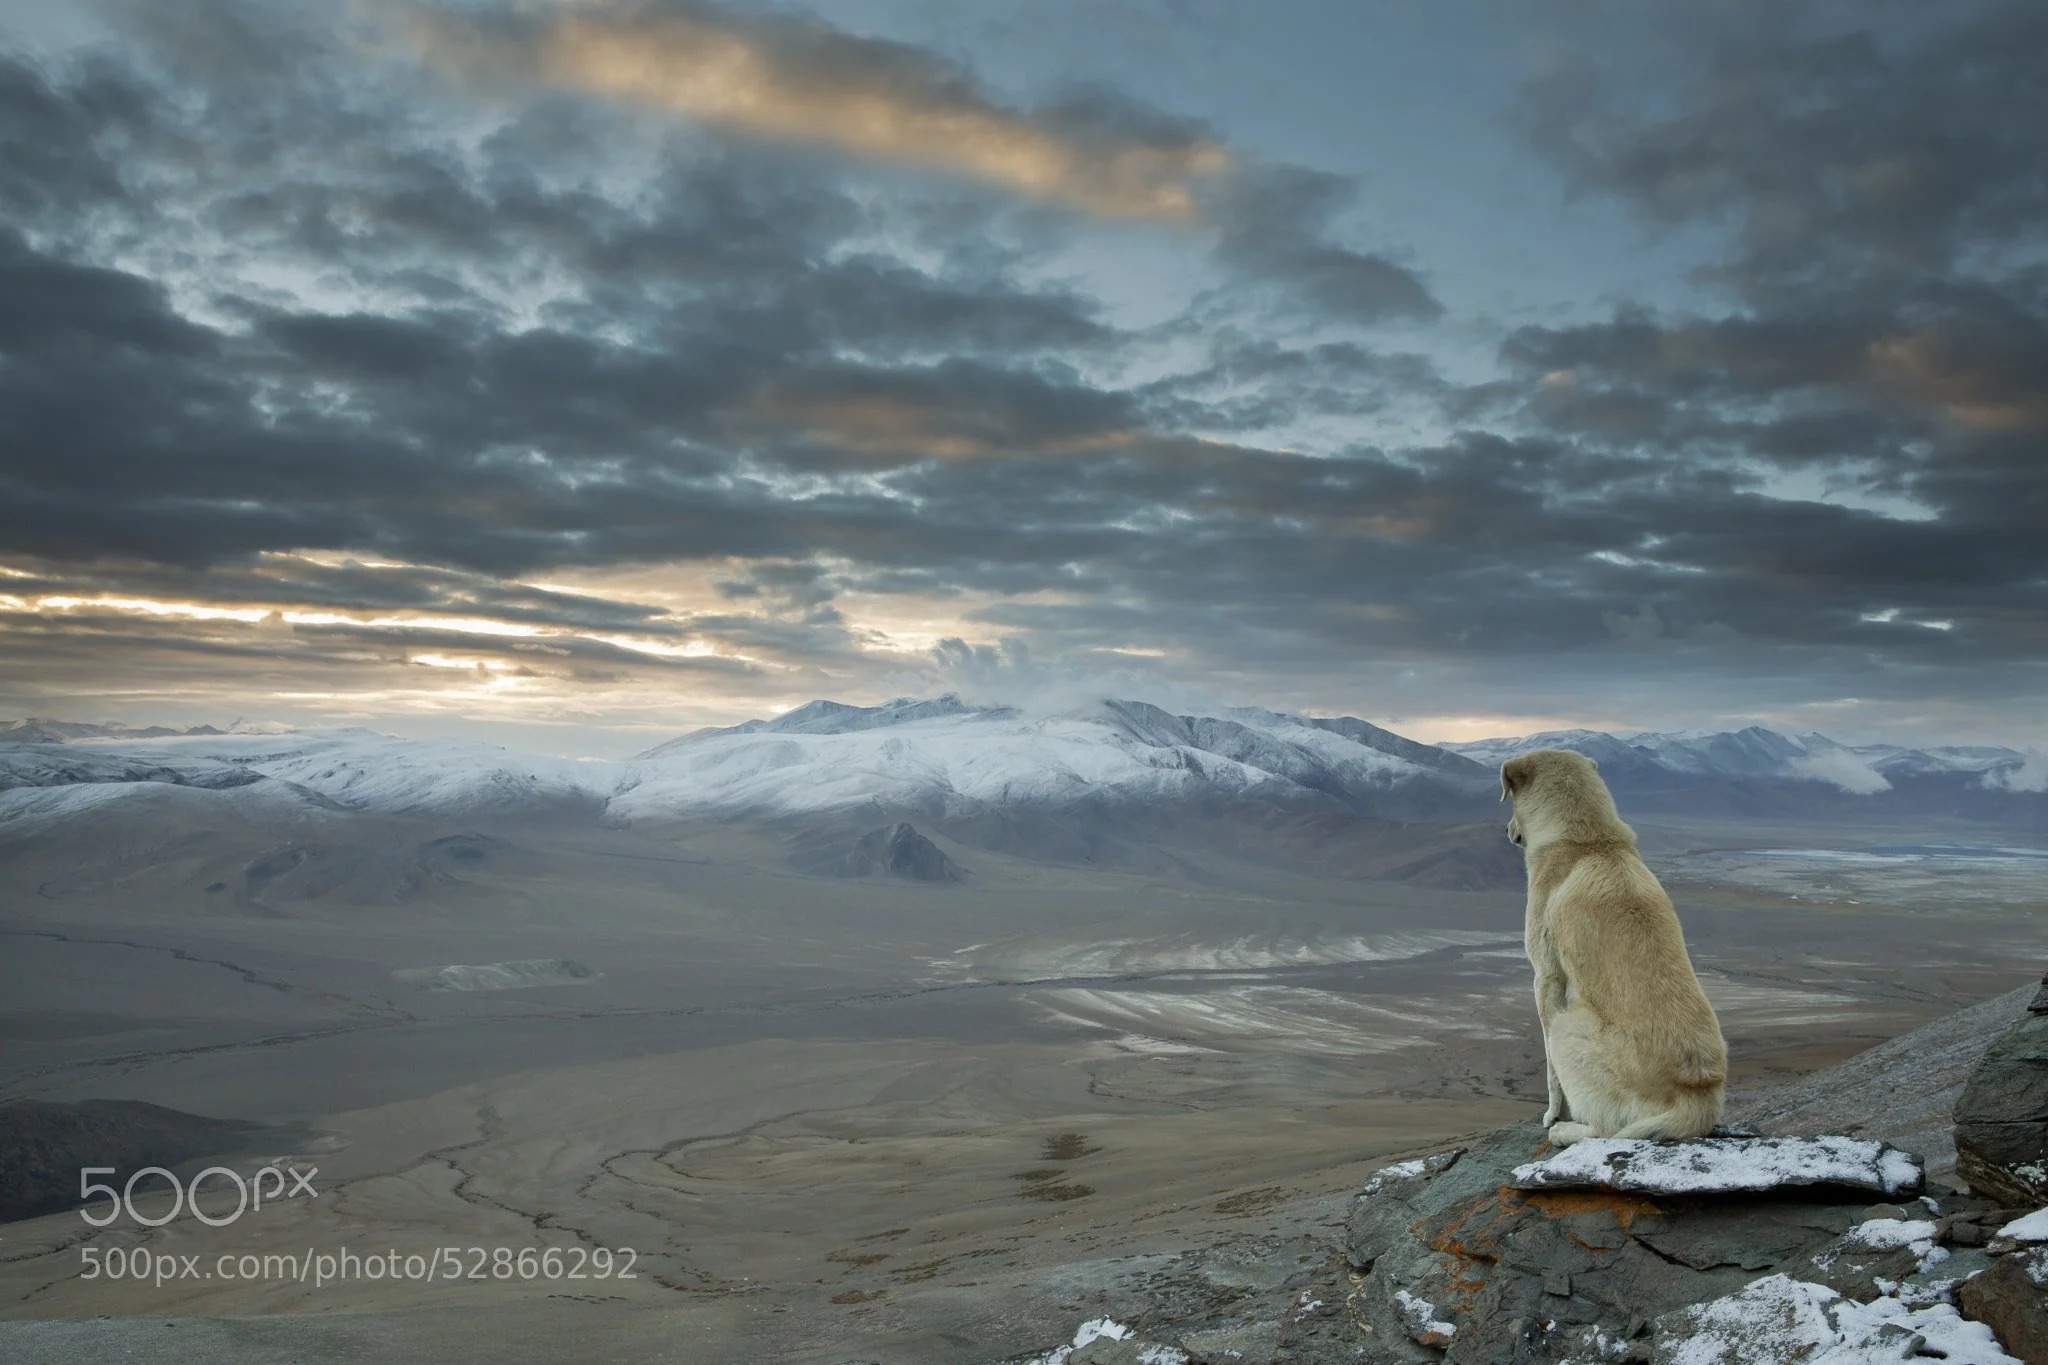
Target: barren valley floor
{"x":832,"y":1119}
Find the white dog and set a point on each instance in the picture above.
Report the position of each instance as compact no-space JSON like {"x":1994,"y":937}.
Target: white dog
{"x":1631,"y":1047}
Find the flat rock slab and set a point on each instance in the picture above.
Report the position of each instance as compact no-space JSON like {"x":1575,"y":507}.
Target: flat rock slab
{"x":1731,"y":1165}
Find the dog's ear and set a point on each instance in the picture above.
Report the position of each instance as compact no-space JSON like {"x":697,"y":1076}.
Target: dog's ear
{"x":1513,"y":774}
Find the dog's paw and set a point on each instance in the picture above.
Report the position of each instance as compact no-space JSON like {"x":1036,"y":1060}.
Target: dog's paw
{"x":1565,"y":1134}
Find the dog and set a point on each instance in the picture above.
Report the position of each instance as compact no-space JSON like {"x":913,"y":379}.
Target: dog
{"x":1631,"y":1047}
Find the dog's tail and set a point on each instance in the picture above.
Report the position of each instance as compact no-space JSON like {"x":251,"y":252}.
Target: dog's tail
{"x":1693,"y":1113}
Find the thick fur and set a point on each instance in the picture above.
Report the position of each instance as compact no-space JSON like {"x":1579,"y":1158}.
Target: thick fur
{"x":1631,"y":1046}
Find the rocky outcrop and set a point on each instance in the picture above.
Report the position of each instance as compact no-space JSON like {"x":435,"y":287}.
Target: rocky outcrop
{"x":900,"y":851}
{"x":2001,"y":1119}
{"x":2012,"y":1296}
{"x":1507,"y":1251}
{"x":1733,"y":1163}
{"x":1904,"y":1090}
{"x":1815,"y":1248}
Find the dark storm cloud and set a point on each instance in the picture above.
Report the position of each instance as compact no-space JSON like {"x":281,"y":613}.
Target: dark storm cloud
{"x":1835,"y":154}
{"x":1890,"y":321}
{"x":56,"y":147}
{"x":587,"y":339}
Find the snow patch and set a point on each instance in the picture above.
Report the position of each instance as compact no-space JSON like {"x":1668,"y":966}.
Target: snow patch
{"x":1401,"y":1171}
{"x":1723,"y":1165}
{"x":1109,"y":1329}
{"x":1889,"y":1234}
{"x":1778,"y":1320}
{"x":500,"y":976}
{"x":2032,"y":1228}
{"x":1423,"y":1321}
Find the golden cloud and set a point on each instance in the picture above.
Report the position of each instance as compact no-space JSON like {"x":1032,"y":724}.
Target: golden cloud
{"x":897,"y":426}
{"x":804,"y":82}
{"x":1936,"y":372}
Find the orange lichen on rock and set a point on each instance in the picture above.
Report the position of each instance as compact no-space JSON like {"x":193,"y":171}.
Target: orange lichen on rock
{"x":1626,"y":1208}
{"x":1465,"y":1244}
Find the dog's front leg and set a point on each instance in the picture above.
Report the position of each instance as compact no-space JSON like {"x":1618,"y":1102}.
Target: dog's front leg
{"x":1550,"y":999}
{"x":1552,"y":994}
{"x":1556,"y":1109}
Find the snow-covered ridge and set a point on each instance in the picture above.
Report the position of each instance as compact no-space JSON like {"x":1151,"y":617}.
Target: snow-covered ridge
{"x":1758,"y":753}
{"x":940,"y":756}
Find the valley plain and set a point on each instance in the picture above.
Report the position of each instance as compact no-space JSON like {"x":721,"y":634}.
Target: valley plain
{"x":1128,"y":1062}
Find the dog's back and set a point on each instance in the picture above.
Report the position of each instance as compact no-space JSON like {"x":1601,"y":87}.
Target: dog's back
{"x":1625,"y":959}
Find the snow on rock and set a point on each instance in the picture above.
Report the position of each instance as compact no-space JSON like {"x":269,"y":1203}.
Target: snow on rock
{"x":1108,"y":1329}
{"x":1778,"y":1320}
{"x":1100,"y":1327}
{"x":1773,"y":1319}
{"x":2032,"y":1228}
{"x":1429,"y":1329}
{"x":1417,"y":1169}
{"x":1400,"y":1170}
{"x":1889,"y":1234}
{"x":1723,"y":1165}
{"x":1916,"y":1235}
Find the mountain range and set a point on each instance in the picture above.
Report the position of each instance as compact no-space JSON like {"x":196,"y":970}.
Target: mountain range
{"x":943,"y":758}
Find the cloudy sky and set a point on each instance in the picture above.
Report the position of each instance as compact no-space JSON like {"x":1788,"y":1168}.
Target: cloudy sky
{"x":567,"y":373}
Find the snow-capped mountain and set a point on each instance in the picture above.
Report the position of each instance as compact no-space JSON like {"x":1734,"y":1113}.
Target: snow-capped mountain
{"x":1659,"y":759}
{"x":836,"y":718}
{"x":946,"y":757}
{"x":353,"y":769}
{"x":1619,"y":761}
{"x":943,"y":758}
{"x":939,"y":756}
{"x":39,"y":729}
{"x":1754,"y":752}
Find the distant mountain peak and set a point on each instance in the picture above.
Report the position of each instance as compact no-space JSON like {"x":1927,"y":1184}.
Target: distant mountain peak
{"x":44,"y":730}
{"x":823,"y":717}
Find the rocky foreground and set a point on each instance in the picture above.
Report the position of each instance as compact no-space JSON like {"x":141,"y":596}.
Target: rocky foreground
{"x":1912,"y":1231}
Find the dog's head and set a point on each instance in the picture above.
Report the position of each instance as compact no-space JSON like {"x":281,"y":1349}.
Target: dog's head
{"x":1552,"y":787}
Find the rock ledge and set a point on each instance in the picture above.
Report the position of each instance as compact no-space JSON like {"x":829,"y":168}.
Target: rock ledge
{"x":1724,"y":1165}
